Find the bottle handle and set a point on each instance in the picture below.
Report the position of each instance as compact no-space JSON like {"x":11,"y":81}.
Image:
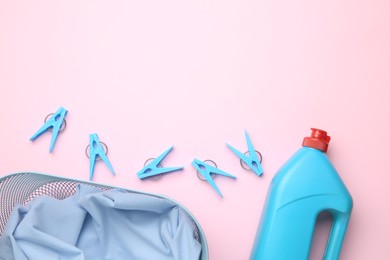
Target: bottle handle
{"x":336,"y":237}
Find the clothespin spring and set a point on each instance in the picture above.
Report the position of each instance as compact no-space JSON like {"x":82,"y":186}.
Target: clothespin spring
{"x":159,"y":165}
{"x":63,"y":125}
{"x":105,"y":148}
{"x":200,"y":176}
{"x":244,"y":166}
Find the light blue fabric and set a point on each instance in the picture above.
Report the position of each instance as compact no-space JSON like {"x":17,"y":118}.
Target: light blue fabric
{"x":93,"y":224}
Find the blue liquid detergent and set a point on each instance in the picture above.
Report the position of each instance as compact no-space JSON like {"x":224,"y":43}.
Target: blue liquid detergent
{"x":306,"y":185}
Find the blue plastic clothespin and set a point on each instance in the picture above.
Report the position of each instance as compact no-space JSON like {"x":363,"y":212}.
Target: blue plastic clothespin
{"x":252,"y":161}
{"x":54,"y":122}
{"x":152,"y":169}
{"x":96,"y":149}
{"x":206,"y":170}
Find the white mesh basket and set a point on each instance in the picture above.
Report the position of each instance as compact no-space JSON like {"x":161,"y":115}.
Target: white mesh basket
{"x":20,"y":188}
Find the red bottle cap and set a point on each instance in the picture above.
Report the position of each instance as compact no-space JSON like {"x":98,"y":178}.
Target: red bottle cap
{"x":319,"y":139}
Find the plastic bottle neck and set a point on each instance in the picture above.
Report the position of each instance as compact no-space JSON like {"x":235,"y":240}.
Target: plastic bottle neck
{"x":319,"y":140}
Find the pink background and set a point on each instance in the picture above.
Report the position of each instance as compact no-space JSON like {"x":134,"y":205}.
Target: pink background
{"x":145,"y":75}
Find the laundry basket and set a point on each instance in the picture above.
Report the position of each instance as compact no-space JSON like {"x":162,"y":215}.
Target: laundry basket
{"x":20,"y":188}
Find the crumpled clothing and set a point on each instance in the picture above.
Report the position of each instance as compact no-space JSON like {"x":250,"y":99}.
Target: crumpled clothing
{"x":96,"y":224}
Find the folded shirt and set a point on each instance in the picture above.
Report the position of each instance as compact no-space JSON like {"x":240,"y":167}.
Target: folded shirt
{"x":96,"y":224}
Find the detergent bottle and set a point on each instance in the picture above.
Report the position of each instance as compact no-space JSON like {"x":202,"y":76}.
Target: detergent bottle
{"x":306,"y":185}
